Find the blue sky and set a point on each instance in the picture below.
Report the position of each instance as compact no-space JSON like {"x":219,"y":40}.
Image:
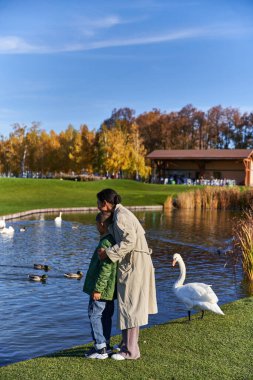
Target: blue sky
{"x":65,"y":61}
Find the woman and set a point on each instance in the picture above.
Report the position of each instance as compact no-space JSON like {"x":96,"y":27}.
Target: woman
{"x":136,"y":281}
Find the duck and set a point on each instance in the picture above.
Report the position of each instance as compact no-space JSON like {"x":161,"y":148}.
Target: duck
{"x":7,"y":230}
{"x":78,"y":274}
{"x":22,"y":229}
{"x":34,"y":277}
{"x":2,"y":223}
{"x":42,"y":267}
{"x":194,"y":295}
{"x":58,"y":219}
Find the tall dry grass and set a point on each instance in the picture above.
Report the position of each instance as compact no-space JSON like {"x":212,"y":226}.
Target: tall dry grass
{"x":211,"y":197}
{"x":168,"y":204}
{"x":243,"y":240}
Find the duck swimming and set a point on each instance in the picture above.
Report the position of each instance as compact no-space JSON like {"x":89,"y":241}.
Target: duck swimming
{"x":34,"y":277}
{"x":42,"y":267}
{"x":77,"y":275}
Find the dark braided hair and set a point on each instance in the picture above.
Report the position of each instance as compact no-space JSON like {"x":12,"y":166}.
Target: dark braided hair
{"x":109,"y":196}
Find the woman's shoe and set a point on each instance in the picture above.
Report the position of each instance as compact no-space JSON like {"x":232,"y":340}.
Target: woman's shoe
{"x":118,"y":357}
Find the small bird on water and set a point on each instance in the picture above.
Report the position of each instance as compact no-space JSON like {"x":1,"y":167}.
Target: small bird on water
{"x":42,"y":267}
{"x":77,"y":275}
{"x":58,"y":219}
{"x":34,"y":277}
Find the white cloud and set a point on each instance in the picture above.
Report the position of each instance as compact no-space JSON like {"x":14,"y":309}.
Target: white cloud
{"x":14,"y":44}
{"x":206,"y":32}
{"x":89,"y":27}
{"x":106,"y":22}
{"x":17,"y":45}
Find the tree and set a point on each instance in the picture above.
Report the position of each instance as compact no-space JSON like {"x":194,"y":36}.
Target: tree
{"x":33,"y":145}
{"x":136,"y":154}
{"x":70,"y":149}
{"x":87,"y":148}
{"x":123,"y":116}
{"x":215,"y":119}
{"x":121,"y":151}
{"x":149,"y":124}
{"x":242,"y":134}
{"x":16,"y":146}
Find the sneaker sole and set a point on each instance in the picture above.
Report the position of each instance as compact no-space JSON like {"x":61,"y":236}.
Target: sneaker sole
{"x":97,"y":356}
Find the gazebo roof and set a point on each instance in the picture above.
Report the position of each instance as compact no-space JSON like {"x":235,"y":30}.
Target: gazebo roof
{"x":196,"y":154}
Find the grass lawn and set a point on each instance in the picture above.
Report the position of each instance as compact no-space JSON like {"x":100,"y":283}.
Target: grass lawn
{"x":215,"y":348}
{"x":18,"y":194}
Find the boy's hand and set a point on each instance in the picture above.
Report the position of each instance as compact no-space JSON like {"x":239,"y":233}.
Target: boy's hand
{"x":96,"y":296}
{"x":102,"y":254}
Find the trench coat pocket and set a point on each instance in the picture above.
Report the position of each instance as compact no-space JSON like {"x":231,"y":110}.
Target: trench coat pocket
{"x":126,"y":263}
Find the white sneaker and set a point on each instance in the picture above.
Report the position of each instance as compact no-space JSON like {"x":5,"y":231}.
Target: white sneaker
{"x":118,"y":357}
{"x":97,"y":354}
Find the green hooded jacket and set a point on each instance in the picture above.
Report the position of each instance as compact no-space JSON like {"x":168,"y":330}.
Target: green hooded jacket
{"x":102,"y":275}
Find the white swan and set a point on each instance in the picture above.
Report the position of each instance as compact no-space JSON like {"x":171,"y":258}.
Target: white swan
{"x":7,"y":230}
{"x":2,"y":223}
{"x":194,"y":295}
{"x":58,"y":219}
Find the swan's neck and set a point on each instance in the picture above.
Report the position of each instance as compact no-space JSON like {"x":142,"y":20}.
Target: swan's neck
{"x":182,"y":275}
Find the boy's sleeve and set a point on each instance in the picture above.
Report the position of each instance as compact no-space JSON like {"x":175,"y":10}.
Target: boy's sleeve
{"x":105,"y":270}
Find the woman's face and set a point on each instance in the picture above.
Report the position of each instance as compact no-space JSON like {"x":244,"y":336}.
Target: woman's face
{"x":104,"y":206}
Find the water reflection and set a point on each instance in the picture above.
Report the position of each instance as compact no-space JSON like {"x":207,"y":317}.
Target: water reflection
{"x":39,"y":318}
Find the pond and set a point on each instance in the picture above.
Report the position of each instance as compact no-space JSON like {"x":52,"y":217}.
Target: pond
{"x":41,"y":318}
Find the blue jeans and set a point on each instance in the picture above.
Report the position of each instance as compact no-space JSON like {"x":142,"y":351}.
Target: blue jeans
{"x":100,"y":314}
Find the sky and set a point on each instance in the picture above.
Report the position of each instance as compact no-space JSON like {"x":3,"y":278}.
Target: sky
{"x":72,"y":62}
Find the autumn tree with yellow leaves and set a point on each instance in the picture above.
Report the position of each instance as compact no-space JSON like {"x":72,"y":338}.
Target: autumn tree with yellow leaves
{"x":120,"y":151}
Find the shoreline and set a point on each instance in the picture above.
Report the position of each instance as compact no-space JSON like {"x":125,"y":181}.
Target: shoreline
{"x":22,"y":214}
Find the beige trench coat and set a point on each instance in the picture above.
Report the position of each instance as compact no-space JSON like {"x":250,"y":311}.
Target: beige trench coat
{"x":136,"y":280}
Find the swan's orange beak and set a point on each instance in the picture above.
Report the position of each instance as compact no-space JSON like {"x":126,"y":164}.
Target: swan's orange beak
{"x":174,"y":262}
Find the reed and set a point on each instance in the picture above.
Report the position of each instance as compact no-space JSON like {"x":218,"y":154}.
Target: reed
{"x":186,"y":200}
{"x":168,"y":204}
{"x":243,"y":240}
{"x":211,"y":197}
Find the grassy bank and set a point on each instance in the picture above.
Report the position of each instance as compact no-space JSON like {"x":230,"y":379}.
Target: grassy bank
{"x":216,"y":347}
{"x":19,"y":194}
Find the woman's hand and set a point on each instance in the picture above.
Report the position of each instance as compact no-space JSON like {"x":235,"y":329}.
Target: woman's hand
{"x":96,"y":296}
{"x":102,"y":254}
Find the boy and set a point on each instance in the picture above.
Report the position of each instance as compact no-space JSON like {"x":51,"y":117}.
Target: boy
{"x":100,"y":284}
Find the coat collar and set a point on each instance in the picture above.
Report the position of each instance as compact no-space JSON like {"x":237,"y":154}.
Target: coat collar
{"x":117,"y":208}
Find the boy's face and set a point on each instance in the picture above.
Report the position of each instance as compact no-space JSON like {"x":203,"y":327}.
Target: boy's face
{"x":101,"y":228}
{"x":104,"y":206}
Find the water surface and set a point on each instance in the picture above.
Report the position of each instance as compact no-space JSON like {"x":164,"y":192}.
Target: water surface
{"x":38,"y":319}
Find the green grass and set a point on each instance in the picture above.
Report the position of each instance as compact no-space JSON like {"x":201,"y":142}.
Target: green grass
{"x":215,"y":348}
{"x":19,"y":194}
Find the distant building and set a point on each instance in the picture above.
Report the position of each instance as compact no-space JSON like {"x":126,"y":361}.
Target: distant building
{"x":189,"y":166}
